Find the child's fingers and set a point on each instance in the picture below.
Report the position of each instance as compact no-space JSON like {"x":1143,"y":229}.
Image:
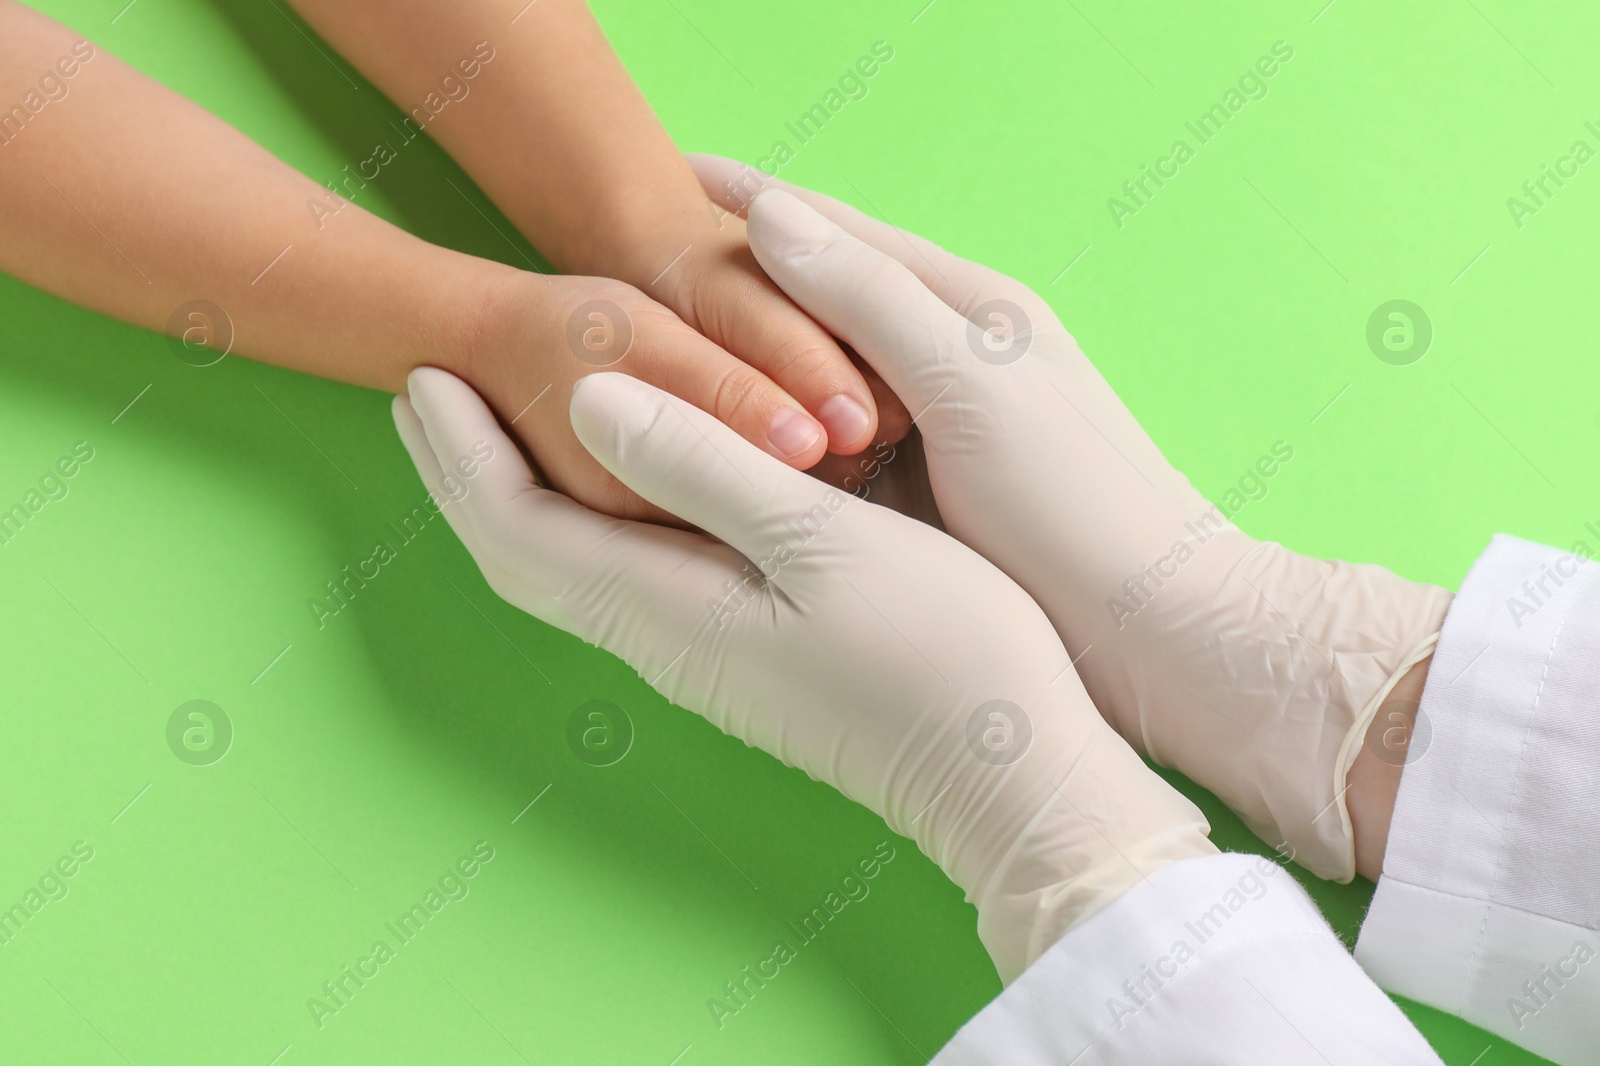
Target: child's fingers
{"x":681,"y":459}
{"x":739,"y":307}
{"x":637,"y":589}
{"x":894,"y":421}
{"x":866,"y":298}
{"x":683,"y":362}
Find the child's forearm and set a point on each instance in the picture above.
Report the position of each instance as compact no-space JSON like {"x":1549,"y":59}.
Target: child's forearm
{"x":120,"y":195}
{"x":551,"y":126}
{"x":529,"y":98}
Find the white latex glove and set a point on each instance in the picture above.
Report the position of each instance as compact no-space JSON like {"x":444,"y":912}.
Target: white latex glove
{"x":1251,"y":669}
{"x":871,"y":655}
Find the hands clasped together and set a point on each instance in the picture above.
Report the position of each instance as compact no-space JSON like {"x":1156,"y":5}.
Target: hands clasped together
{"x":984,"y":666}
{"x":927,"y":675}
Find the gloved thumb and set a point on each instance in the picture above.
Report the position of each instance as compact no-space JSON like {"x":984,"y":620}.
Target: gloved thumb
{"x":686,"y":462}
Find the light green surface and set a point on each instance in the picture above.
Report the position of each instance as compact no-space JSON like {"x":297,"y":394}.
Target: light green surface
{"x":372,"y":754}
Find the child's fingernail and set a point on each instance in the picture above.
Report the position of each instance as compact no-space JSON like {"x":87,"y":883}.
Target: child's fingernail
{"x":792,"y":432}
{"x":845,"y":419}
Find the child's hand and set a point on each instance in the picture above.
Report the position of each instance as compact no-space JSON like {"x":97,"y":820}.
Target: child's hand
{"x":535,"y":336}
{"x":558,"y":136}
{"x":718,"y":288}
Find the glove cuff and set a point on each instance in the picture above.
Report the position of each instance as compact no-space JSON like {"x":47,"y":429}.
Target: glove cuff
{"x":1351,"y":748}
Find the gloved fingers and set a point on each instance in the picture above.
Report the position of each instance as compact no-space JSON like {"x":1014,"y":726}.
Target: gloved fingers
{"x":686,"y":462}
{"x":960,"y":283}
{"x":865,"y":297}
{"x":466,"y":437}
{"x":733,"y":185}
{"x":498,"y":507}
{"x":415,"y":439}
{"x":488,"y":488}
{"x":636,"y":589}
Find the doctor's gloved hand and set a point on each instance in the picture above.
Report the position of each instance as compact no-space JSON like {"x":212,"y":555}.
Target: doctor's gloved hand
{"x":1252,"y":669}
{"x":870,"y":650}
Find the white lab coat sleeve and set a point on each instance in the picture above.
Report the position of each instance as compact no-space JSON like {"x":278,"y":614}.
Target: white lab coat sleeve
{"x":1215,"y":961}
{"x":1489,"y":903}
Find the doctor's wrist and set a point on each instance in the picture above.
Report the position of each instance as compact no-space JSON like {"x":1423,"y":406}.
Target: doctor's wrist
{"x":1374,"y":778}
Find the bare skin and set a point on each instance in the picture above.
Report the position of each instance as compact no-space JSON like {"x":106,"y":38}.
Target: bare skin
{"x":123,"y":197}
{"x":120,"y":195}
{"x":1374,"y":778}
{"x":558,"y":135}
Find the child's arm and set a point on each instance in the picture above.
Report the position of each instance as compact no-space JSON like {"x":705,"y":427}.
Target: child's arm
{"x":555,"y":132}
{"x":120,"y":195}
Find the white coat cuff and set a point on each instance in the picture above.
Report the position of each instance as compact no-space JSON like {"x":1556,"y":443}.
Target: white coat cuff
{"x":1216,"y":959}
{"x":1490,"y":896}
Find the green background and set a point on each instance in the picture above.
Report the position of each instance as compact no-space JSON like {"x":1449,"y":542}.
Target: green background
{"x":1230,"y":312}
